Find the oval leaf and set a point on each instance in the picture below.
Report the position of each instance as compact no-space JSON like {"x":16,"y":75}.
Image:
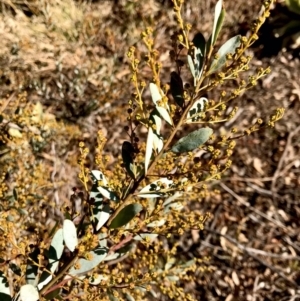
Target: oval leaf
{"x":192,"y":140}
{"x":29,"y":293}
{"x":70,"y":235}
{"x":228,"y":47}
{"x":125,"y":215}
{"x":87,"y":265}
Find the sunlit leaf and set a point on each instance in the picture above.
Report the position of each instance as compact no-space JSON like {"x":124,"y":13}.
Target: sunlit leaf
{"x":29,"y":293}
{"x":108,"y":193}
{"x":218,"y":21}
{"x":228,"y":47}
{"x":126,"y":215}
{"x":102,"y":216}
{"x":149,"y":148}
{"x":99,"y":176}
{"x":144,"y":236}
{"x":158,"y":223}
{"x":153,"y":190}
{"x":192,"y":140}
{"x":156,"y":96}
{"x":196,"y":109}
{"x":54,"y":254}
{"x":191,"y":65}
{"x":70,"y":235}
{"x":4,"y":288}
{"x":85,"y":265}
{"x":15,"y":133}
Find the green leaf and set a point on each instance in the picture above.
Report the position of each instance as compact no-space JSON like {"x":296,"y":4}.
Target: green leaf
{"x":191,"y":65}
{"x":102,"y":216}
{"x":228,"y":47}
{"x":53,"y":294}
{"x":128,"y":153}
{"x":15,"y":193}
{"x":196,"y":109}
{"x":293,"y":6}
{"x":156,"y":96}
{"x":87,"y":265}
{"x":70,"y":235}
{"x":4,"y":288}
{"x":176,"y":86}
{"x":192,"y":140}
{"x":125,"y":215}
{"x":149,"y":148}
{"x":108,"y":193}
{"x":54,"y":254}
{"x":153,"y":190}
{"x":218,"y":22}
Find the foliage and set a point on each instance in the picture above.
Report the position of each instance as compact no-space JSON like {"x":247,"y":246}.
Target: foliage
{"x":116,"y":240}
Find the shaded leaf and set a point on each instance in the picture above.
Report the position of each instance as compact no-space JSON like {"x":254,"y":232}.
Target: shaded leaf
{"x":192,"y":140}
{"x":199,"y":53}
{"x":31,"y":269}
{"x":128,"y":153}
{"x":70,"y":235}
{"x":293,"y":6}
{"x":53,"y":294}
{"x":125,"y":215}
{"x":176,"y":86}
{"x":87,"y":265}
{"x":15,"y":269}
{"x":228,"y":47}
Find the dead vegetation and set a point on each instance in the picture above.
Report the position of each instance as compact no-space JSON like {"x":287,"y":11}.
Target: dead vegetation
{"x":70,"y":56}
